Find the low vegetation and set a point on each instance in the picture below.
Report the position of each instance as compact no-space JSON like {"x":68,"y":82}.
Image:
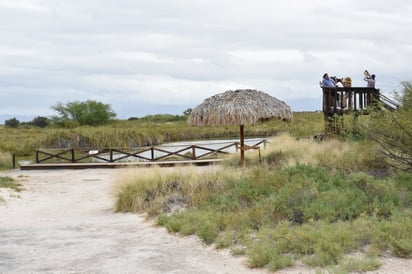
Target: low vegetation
{"x":322,"y":204}
{"x":8,"y":182}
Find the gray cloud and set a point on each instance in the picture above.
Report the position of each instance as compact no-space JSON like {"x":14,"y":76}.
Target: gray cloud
{"x":147,"y":57}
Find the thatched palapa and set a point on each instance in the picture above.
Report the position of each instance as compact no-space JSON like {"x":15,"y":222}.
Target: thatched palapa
{"x":239,"y":107}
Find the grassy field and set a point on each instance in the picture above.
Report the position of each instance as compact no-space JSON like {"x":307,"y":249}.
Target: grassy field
{"x":23,"y":141}
{"x":329,"y":205}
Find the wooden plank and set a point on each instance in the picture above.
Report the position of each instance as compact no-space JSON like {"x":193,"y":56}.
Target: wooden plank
{"x":119,"y":165}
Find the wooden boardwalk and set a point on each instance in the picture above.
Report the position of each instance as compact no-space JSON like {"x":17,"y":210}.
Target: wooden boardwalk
{"x":42,"y":166}
{"x":166,"y":155}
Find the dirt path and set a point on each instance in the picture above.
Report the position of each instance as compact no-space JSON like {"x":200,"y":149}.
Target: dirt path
{"x":63,"y":223}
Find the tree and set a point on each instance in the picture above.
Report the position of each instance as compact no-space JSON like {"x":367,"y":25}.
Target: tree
{"x":392,"y":131}
{"x":40,"y":121}
{"x":90,"y":112}
{"x":12,"y":123}
{"x":187,"y":112}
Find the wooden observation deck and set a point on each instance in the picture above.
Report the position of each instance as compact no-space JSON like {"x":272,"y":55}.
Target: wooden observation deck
{"x":338,"y":101}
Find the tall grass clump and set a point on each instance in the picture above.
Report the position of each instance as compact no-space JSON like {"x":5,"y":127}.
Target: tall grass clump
{"x":5,"y":160}
{"x":157,"y":191}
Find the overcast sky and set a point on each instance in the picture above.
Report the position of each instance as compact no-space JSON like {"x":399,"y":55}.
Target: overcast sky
{"x":164,"y":56}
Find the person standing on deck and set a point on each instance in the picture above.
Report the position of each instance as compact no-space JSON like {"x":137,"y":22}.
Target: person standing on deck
{"x":328,"y":82}
{"x":370,"y":79}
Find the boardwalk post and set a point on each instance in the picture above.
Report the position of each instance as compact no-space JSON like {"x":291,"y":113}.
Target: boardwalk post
{"x":14,"y":160}
{"x":152,"y":153}
{"x":72,"y":152}
{"x":193,"y":152}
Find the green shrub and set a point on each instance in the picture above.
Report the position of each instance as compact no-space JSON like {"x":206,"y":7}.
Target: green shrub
{"x":260,"y":253}
{"x":208,"y":231}
{"x":8,"y":182}
{"x":395,"y":235}
{"x":225,"y":239}
{"x":360,"y":265}
{"x":12,"y":123}
{"x":277,"y":262}
{"x":174,"y":224}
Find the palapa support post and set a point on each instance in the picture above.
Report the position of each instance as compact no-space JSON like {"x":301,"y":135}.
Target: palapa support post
{"x":242,"y":146}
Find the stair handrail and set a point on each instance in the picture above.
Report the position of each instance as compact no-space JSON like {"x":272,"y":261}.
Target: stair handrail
{"x":388,"y":102}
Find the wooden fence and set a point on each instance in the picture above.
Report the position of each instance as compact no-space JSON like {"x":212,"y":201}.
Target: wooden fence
{"x":152,"y":154}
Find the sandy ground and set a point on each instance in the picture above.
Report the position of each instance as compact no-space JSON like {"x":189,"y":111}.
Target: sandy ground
{"x":64,"y":223}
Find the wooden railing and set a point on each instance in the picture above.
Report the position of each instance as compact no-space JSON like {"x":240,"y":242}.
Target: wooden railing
{"x":341,"y":99}
{"x":152,"y":154}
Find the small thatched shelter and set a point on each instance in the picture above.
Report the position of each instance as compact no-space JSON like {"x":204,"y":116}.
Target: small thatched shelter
{"x":239,"y":107}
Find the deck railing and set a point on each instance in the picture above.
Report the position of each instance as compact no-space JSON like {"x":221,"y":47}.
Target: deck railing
{"x":340,"y":99}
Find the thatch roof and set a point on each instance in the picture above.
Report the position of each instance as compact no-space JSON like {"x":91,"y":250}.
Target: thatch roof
{"x":239,"y":107}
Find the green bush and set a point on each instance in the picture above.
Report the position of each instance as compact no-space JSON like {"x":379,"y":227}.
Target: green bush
{"x":395,"y":235}
{"x":360,"y":265}
{"x":392,"y":131}
{"x":12,"y":123}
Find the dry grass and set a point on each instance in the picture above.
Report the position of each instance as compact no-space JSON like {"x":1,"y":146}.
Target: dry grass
{"x":157,"y":190}
{"x":287,"y":151}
